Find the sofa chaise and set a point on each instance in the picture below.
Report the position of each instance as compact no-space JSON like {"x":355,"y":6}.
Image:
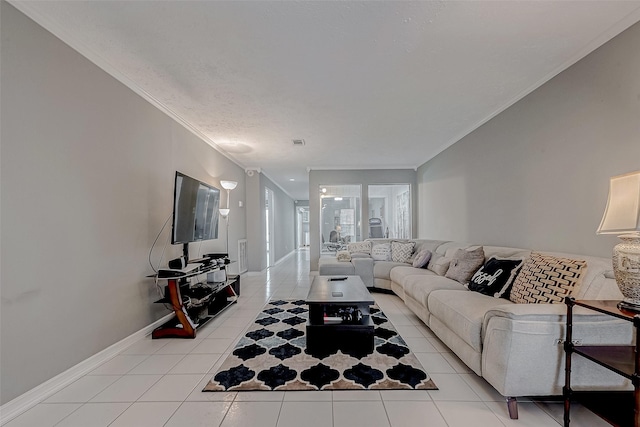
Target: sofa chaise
{"x":515,"y":347}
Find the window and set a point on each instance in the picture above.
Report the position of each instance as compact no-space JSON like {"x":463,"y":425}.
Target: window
{"x":340,"y":216}
{"x":390,"y":211}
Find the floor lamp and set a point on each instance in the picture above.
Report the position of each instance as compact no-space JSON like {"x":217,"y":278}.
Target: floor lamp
{"x":224,"y":212}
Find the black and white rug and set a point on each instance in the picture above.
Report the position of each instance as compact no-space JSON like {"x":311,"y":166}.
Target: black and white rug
{"x":271,"y":356}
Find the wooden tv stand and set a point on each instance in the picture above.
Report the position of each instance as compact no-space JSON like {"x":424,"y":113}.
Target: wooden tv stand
{"x":192,"y":313}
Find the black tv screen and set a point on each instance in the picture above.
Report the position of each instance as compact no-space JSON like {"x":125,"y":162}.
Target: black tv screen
{"x":195,"y":210}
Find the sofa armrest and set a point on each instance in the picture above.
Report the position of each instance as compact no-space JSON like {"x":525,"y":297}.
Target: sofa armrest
{"x":363,"y":267}
{"x":523,"y":355}
{"x":542,"y":313}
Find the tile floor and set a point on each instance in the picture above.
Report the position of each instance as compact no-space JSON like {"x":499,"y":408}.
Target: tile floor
{"x":159,"y":382}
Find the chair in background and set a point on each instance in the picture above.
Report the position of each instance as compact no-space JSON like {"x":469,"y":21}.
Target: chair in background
{"x":375,"y":228}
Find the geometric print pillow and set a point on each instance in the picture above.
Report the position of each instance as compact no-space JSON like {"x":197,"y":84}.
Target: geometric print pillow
{"x":547,"y":279}
{"x":401,"y":251}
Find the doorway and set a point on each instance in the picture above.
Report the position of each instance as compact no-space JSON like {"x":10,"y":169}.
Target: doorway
{"x":269,"y":213}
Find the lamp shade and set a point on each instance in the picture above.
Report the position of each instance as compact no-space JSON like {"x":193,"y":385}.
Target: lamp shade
{"x":224,"y":212}
{"x":622,"y":214}
{"x":228,"y":185}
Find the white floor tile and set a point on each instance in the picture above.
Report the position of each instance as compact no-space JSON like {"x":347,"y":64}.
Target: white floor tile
{"x":314,"y":414}
{"x":579,"y":415}
{"x":359,"y":414}
{"x":457,"y":364}
{"x":177,"y":346}
{"x":145,"y":346}
{"x":482,"y":388}
{"x":246,"y":414}
{"x":129,"y":388}
{"x":308,"y":396}
{"x":408,"y":395}
{"x":94,"y":415}
{"x":529,"y":415}
{"x":197,"y":395}
{"x":83,"y":389}
{"x":420,"y":345}
{"x":195,"y":364}
{"x":407,"y":413}
{"x":260,"y":396}
{"x":475,"y":414}
{"x":43,"y":415}
{"x":356,"y":395}
{"x":213,"y":345}
{"x":452,"y":387}
{"x":146,"y":414}
{"x":157,"y":364}
{"x":119,"y":365}
{"x":199,"y":414}
{"x":434,"y":363}
{"x":171,"y":388}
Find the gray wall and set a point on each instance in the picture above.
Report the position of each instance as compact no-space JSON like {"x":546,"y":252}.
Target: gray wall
{"x":87,"y":169}
{"x":537,"y":175}
{"x":284,"y":227}
{"x":363,"y":177}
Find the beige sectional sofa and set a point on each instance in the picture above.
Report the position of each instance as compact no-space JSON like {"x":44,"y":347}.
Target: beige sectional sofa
{"x":517,"y":348}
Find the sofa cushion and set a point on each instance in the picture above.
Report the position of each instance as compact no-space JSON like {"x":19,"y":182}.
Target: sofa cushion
{"x":382,"y":269}
{"x":401,"y":251}
{"x":421,"y":259}
{"x":419,"y":287}
{"x":463,"y":313}
{"x":330,"y":266}
{"x":547,"y":279}
{"x":400,"y":273}
{"x":381,"y":252}
{"x":359,"y":247}
{"x":464,"y":263}
{"x":495,"y":277}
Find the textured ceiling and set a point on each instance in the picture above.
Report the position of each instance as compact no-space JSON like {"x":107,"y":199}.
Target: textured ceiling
{"x":365,"y":84}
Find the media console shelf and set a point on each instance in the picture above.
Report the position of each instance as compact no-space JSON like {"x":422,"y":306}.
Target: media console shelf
{"x":195,"y":305}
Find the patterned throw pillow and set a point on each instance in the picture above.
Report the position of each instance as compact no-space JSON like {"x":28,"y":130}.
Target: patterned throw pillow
{"x":422,"y":259}
{"x":547,"y":279}
{"x":359,"y":247}
{"x":495,"y":277}
{"x":464,"y":263}
{"x":401,"y":251}
{"x":381,"y":252}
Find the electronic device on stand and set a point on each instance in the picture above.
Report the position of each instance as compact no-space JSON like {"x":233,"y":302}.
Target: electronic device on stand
{"x":194,"y":298}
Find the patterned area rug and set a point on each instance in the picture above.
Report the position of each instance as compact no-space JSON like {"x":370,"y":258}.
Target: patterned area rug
{"x":272,"y":356}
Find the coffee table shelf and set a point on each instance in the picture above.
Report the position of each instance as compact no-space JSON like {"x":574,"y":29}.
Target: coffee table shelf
{"x":329,"y":294}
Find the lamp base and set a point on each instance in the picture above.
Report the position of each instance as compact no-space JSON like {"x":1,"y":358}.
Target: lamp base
{"x":623,"y":305}
{"x":626,"y":267}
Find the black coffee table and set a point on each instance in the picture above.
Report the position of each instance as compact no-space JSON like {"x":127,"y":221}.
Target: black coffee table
{"x":339,"y":316}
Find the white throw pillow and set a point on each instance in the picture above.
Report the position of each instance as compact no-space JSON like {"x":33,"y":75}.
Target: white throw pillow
{"x":381,"y":252}
{"x":359,"y":247}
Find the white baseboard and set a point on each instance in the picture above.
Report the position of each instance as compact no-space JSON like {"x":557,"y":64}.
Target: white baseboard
{"x":27,"y":400}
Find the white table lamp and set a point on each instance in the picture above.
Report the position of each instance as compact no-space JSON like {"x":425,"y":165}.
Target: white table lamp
{"x":622,"y":217}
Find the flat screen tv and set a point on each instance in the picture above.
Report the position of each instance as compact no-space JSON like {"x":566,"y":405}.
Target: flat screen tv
{"x":195,"y":211}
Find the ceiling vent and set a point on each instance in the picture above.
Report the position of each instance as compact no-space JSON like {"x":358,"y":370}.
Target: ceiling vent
{"x":298,"y":142}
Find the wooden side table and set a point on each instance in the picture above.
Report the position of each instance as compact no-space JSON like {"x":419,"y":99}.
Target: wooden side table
{"x":621,"y":359}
